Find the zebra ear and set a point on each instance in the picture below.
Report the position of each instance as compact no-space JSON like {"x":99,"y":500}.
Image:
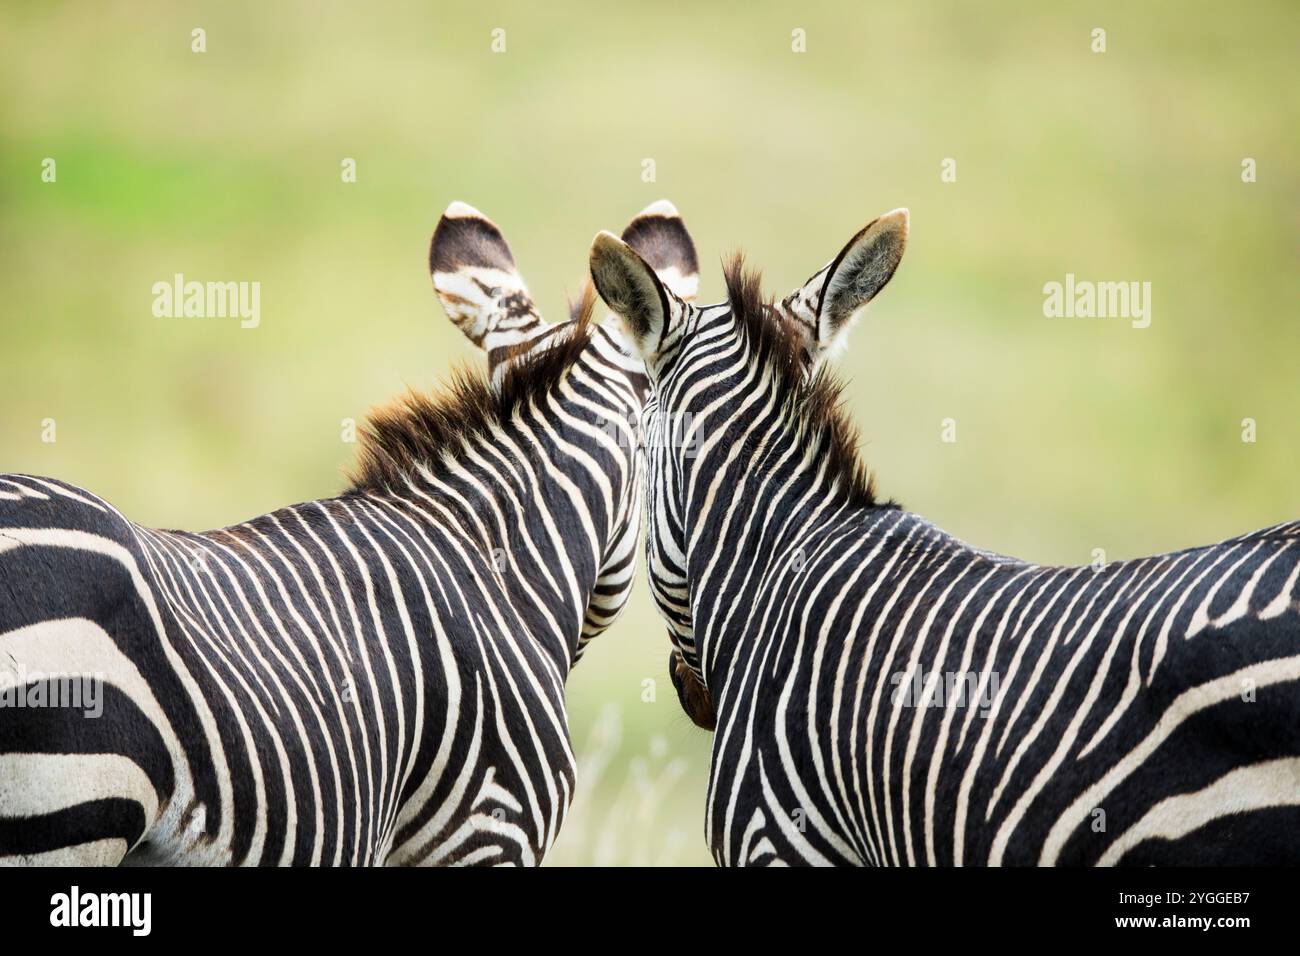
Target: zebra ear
{"x":659,"y":236}
{"x":477,"y":282}
{"x":632,"y":291}
{"x":825,"y":305}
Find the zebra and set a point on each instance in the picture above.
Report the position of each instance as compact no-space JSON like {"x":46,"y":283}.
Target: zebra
{"x":371,"y":679}
{"x":885,"y":694}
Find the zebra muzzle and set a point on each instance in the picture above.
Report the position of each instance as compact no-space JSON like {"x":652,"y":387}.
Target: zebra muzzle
{"x":691,"y":692}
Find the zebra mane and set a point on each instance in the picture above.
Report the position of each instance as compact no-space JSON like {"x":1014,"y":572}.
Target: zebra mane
{"x":418,"y":427}
{"x":816,"y":403}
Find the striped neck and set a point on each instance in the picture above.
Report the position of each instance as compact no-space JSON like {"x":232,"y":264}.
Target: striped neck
{"x":743,"y":452}
{"x":543,"y":497}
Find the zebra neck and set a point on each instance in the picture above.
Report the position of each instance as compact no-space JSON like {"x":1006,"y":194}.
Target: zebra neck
{"x":753,"y":540}
{"x":807,"y":540}
{"x":539,"y":552}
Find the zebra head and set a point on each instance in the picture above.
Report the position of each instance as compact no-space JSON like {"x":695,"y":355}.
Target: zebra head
{"x":591,"y":410}
{"x":480,"y":288}
{"x":731,"y":383}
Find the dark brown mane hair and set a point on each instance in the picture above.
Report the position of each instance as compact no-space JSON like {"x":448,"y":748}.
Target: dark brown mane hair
{"x":417,"y":427}
{"x":816,"y":403}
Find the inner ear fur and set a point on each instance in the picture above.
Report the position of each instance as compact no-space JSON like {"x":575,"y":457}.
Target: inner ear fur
{"x":863,"y":267}
{"x":631,"y":290}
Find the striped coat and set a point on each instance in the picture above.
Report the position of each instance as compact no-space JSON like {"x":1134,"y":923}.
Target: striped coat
{"x":376,"y":678}
{"x":882,"y":693}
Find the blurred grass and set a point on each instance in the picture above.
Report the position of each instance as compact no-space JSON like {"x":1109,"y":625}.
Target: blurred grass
{"x":1072,"y":434}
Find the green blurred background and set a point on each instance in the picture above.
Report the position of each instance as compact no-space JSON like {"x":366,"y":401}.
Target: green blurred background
{"x":1072,"y":434}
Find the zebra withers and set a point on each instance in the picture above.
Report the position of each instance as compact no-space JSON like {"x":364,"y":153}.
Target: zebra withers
{"x":376,"y":678}
{"x":886,"y":694}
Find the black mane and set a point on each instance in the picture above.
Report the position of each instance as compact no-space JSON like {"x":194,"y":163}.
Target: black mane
{"x":817,"y":402}
{"x":417,"y":427}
